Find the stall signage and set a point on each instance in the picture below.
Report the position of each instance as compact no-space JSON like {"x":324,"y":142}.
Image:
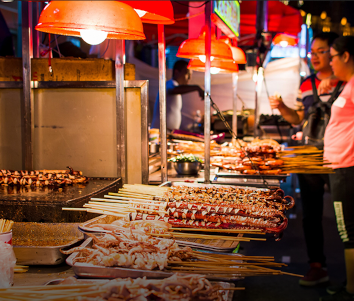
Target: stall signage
{"x":227,"y":13}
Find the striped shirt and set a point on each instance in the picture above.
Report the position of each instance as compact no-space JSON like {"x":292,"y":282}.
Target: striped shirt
{"x":305,"y":98}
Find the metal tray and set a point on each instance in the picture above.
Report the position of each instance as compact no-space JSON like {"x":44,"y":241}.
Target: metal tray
{"x":228,"y":294}
{"x":44,"y":255}
{"x":236,"y":174}
{"x":177,"y":183}
{"x":217,"y":245}
{"x":102,"y":219}
{"x":91,"y":271}
{"x":43,"y":204}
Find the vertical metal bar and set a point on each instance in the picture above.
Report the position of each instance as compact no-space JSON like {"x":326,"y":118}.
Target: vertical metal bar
{"x":234,"y":103}
{"x":35,"y":8}
{"x":26,"y":103}
{"x":19,"y":29}
{"x":144,"y":133}
{"x":162,"y":101}
{"x":207,"y":122}
{"x":120,"y":110}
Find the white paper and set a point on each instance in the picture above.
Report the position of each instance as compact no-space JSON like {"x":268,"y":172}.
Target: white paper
{"x":340,"y":102}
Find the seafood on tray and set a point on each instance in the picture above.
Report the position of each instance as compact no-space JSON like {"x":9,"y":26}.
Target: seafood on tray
{"x":39,"y":178}
{"x":154,"y":227}
{"x":174,"y":288}
{"x":130,"y":248}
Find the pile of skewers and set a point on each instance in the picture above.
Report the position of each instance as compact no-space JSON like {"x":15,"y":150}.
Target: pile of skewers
{"x":196,"y":207}
{"x":132,"y":248}
{"x":5,"y":225}
{"x":304,"y":160}
{"x":176,"y":287}
{"x":41,"y":178}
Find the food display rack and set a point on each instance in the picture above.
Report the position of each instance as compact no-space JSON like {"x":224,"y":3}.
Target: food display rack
{"x":235,"y":178}
{"x":44,"y":204}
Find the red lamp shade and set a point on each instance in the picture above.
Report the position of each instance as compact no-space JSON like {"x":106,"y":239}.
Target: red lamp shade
{"x":237,"y":53}
{"x":154,"y":12}
{"x":217,"y":66}
{"x":116,"y":19}
{"x":284,"y":40}
{"x":195,"y":48}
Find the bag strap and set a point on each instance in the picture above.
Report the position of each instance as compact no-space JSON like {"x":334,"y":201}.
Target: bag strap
{"x":314,"y":89}
{"x":335,"y":93}
{"x":315,"y":94}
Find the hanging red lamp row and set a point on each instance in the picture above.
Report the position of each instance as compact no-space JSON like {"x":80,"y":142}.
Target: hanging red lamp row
{"x":95,"y":21}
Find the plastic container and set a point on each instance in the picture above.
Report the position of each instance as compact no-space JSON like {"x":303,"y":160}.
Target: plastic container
{"x":6,"y":237}
{"x":7,"y":265}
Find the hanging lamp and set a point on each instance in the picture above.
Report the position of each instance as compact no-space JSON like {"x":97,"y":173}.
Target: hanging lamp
{"x":237,"y":53}
{"x":284,"y":40}
{"x":94,"y":21}
{"x":195,"y":48}
{"x":153,"y":12}
{"x":216,"y":66}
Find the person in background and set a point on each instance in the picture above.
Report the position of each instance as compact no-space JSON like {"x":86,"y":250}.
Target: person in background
{"x":175,"y":87}
{"x":339,"y":148}
{"x":312,"y":185}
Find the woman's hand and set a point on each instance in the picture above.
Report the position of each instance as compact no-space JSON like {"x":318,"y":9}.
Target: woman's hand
{"x":326,"y":85}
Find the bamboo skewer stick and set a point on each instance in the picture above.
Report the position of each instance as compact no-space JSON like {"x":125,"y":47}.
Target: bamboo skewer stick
{"x":182,"y":235}
{"x":255,"y":231}
{"x":48,"y":287}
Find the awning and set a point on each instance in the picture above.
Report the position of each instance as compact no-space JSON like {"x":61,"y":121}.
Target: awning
{"x":281,"y":18}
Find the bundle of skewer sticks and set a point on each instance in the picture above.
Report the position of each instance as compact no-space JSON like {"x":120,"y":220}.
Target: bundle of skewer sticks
{"x":117,"y":205}
{"x":68,"y":292}
{"x":21,"y":269}
{"x":51,"y":292}
{"x":5,"y":225}
{"x":224,"y":265}
{"x":304,"y":159}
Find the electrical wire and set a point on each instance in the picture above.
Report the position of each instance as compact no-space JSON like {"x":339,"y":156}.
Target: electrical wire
{"x":56,"y":41}
{"x":189,"y":17}
{"x":222,"y":117}
{"x":102,"y":56}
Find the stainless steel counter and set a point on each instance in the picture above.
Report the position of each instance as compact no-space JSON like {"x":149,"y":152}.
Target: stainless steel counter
{"x":38,"y":275}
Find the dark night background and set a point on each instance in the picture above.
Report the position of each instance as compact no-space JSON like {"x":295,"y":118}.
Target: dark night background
{"x":335,"y":9}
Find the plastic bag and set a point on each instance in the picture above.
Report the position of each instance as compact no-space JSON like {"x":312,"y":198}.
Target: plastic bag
{"x":7,"y":264}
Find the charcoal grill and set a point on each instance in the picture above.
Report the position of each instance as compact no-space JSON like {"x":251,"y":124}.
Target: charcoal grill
{"x":43,"y":204}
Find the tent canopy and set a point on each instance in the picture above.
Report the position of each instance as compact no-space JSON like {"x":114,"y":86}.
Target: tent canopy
{"x":281,"y":18}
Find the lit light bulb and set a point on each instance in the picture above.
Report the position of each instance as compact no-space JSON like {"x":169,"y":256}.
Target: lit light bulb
{"x":93,"y":37}
{"x":203,"y":58}
{"x":283,"y":43}
{"x":140,"y":12}
{"x":214,"y":70}
{"x":254,"y":77}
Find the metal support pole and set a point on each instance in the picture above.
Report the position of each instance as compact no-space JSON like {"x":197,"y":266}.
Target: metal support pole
{"x":162,"y":101}
{"x":26,"y":103}
{"x":144,"y":133}
{"x":234,"y":104}
{"x":36,"y":40}
{"x":207,"y":123}
{"x":119,"y":73}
